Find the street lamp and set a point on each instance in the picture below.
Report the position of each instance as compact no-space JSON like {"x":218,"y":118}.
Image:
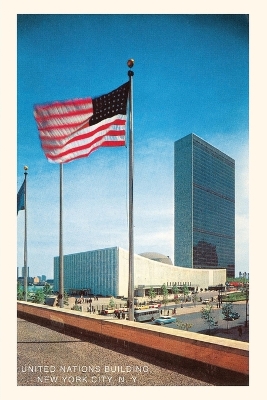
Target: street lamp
{"x":220,"y":295}
{"x":247,"y":296}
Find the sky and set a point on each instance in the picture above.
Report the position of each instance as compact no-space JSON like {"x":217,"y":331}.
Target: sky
{"x":191,"y":74}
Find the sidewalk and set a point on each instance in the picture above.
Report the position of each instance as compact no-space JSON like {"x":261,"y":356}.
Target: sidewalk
{"x":232,"y":333}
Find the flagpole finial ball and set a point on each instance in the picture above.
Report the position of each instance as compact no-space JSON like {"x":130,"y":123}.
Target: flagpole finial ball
{"x":25,"y":167}
{"x":130,"y":63}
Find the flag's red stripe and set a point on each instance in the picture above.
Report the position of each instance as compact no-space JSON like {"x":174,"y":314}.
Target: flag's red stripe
{"x":75,"y":113}
{"x":68,"y":103}
{"x":61,"y":127}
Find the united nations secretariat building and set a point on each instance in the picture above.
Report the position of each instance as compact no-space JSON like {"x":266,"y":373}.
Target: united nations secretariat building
{"x":106,"y":272}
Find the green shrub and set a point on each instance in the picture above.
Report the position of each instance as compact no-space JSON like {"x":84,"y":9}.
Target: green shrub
{"x":231,"y":297}
{"x":76,"y":307}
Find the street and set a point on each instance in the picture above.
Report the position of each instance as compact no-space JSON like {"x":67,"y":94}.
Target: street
{"x":192,"y":315}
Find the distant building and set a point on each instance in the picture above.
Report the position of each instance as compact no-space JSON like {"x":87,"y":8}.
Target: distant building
{"x":30,"y":280}
{"x":106,"y":272}
{"x":204,"y":206}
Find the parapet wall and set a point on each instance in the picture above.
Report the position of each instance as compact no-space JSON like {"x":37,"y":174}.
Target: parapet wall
{"x":226,"y":358}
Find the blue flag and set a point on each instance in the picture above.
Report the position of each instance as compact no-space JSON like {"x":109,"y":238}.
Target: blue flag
{"x":21,"y":198}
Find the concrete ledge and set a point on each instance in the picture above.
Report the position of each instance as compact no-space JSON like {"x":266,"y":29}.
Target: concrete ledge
{"x":226,"y":358}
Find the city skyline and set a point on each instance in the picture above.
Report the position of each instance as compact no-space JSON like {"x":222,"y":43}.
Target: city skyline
{"x":190,"y":75}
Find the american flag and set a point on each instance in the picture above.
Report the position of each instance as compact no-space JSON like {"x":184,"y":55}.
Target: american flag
{"x":75,"y":128}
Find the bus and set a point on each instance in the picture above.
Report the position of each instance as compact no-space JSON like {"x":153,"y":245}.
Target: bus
{"x":149,"y":314}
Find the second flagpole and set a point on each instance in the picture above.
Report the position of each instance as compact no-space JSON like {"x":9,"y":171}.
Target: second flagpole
{"x":61,"y":256}
{"x":130,"y":64}
{"x":25,"y":238}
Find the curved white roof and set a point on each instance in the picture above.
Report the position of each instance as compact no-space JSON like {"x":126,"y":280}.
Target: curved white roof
{"x":157,"y":257}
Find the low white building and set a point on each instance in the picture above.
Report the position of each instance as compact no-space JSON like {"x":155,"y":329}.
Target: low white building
{"x":106,"y":272}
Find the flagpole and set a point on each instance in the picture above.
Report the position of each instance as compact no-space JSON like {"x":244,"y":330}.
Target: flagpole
{"x":61,"y":259}
{"x":130,"y":64}
{"x":25,"y":237}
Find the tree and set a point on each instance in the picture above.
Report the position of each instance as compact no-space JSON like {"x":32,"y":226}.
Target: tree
{"x":183,"y":325}
{"x":111,"y":302}
{"x":165,"y":294}
{"x":175,"y":291}
{"x":151,"y":293}
{"x":227,"y":310}
{"x":246,"y":291}
{"x":47,"y":289}
{"x":66,"y":298}
{"x":208,"y":317}
{"x":185,"y":290}
{"x":38,"y":296}
{"x":194,"y":299}
{"x":20,"y":293}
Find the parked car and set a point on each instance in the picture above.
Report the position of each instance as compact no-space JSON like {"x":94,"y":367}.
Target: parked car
{"x":231,"y":316}
{"x":154,"y":305}
{"x":165,"y":320}
{"x":143,"y":307}
{"x":206,"y":301}
{"x":108,"y":311}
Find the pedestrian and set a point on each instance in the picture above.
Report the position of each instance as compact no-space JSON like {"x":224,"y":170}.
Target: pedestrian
{"x":239,"y":331}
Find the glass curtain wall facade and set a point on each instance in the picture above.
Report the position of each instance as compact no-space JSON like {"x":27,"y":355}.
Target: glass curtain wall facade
{"x":96,"y":271}
{"x":204,"y":204}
